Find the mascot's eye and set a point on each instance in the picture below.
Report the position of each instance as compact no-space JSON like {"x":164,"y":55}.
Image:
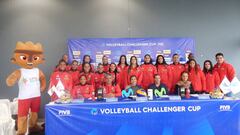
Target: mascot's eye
{"x":23,"y":57}
{"x":36,"y":58}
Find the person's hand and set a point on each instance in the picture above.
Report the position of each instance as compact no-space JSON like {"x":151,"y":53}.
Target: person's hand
{"x":110,"y":95}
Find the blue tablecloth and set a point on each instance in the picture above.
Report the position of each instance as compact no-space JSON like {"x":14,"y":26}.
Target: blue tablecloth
{"x":186,"y":117}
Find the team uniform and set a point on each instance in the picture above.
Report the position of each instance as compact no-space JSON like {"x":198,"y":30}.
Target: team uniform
{"x":176,"y":70}
{"x":122,"y":78}
{"x":75,"y":76}
{"x":148,"y":72}
{"x":198,"y":80}
{"x":106,"y":68}
{"x":82,"y":90}
{"x":66,"y":80}
{"x":166,"y":75}
{"x":212,"y":81}
{"x":90,"y":77}
{"x":134,"y":71}
{"x":225,"y":69}
{"x":112,"y":89}
{"x":80,"y":67}
{"x":99,"y":79}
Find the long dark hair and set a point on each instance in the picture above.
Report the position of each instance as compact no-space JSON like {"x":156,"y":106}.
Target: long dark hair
{"x":130,"y":66}
{"x":85,"y":57}
{"x":163,"y":63}
{"x":150,"y":59}
{"x":195,"y":67}
{"x":205,"y":70}
{"x":84,"y":65}
{"x":115,"y":73}
{"x":119,"y":63}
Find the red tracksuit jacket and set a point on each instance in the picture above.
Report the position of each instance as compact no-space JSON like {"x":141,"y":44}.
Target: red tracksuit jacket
{"x":75,"y":76}
{"x":84,"y":90}
{"x":90,"y":77}
{"x":106,"y":68}
{"x":212,"y":81}
{"x":122,"y":78}
{"x":66,"y":80}
{"x":176,"y":75}
{"x":99,"y":80}
{"x":134,"y":71}
{"x":165,"y":73}
{"x":225,"y":69}
{"x":198,"y":80}
{"x":115,"y":77}
{"x":113,"y":89}
{"x":148,"y":71}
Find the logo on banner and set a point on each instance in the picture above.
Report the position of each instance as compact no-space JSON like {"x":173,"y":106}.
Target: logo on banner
{"x":94,"y":111}
{"x":64,"y":112}
{"x":224,"y":108}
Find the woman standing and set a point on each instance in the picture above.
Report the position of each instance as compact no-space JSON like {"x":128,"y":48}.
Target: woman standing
{"x":121,"y":67}
{"x":212,"y":77}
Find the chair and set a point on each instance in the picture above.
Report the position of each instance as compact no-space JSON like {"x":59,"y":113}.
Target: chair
{"x":6,"y":122}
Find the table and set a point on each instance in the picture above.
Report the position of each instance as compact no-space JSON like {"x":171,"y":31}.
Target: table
{"x":184,"y":117}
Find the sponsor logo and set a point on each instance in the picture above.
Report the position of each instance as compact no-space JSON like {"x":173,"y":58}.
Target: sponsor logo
{"x":64,"y":112}
{"x":94,"y":111}
{"x":225,"y":108}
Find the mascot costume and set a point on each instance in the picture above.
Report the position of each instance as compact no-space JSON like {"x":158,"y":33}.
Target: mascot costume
{"x":31,"y":82}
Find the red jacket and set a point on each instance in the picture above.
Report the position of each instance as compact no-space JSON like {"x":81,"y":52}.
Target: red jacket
{"x":66,"y":80}
{"x":176,"y":75}
{"x":115,"y":77}
{"x":198,"y":80}
{"x":122,"y":78}
{"x":80,"y":67}
{"x":225,"y":69}
{"x":165,"y":73}
{"x":83,"y":90}
{"x":106,"y":68}
{"x":90,"y":77}
{"x":99,"y":80}
{"x":68,"y":67}
{"x":134,"y":71}
{"x":212,"y":81}
{"x":112,"y":89}
{"x":75,"y":76}
{"x":148,"y":72}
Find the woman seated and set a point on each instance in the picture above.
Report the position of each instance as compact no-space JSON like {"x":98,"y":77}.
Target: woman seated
{"x":183,"y":85}
{"x":82,"y":90}
{"x":109,"y":89}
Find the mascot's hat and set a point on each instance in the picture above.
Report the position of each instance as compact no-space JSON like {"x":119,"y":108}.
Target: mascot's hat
{"x":29,"y":46}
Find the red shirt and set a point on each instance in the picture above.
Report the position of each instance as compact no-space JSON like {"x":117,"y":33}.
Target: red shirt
{"x":212,"y":81}
{"x":84,"y":90}
{"x":134,"y":71}
{"x":90,"y":77}
{"x":122,"y":78}
{"x":66,"y":80}
{"x":176,"y":70}
{"x":198,"y":80}
{"x":75,"y":76}
{"x":112,"y":89}
{"x":148,"y":72}
{"x":106,"y":68}
{"x":166,"y":75}
{"x":225,"y":69}
{"x":99,"y":80}
{"x":114,"y":77}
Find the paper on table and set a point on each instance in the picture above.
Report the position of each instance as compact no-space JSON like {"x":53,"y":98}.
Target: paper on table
{"x":225,"y":85}
{"x":235,"y":86}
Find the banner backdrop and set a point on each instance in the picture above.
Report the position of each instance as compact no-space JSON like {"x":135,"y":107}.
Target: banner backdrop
{"x":115,"y":47}
{"x":192,"y":117}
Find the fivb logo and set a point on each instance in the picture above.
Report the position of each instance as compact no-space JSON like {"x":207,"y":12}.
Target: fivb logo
{"x":64,"y":112}
{"x":225,"y":108}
